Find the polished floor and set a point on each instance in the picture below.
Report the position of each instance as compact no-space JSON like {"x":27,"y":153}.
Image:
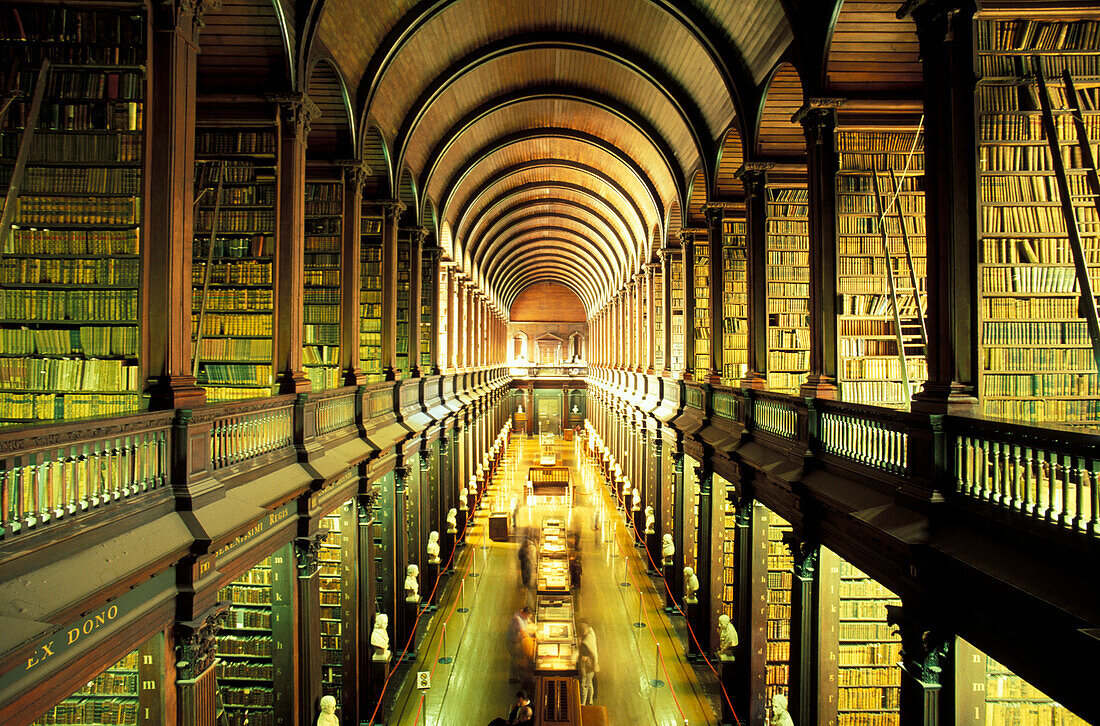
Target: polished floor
{"x":644,"y":677}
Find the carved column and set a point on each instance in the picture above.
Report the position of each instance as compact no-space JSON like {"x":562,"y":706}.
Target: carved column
{"x":434,"y":252}
{"x":703,"y":624}
{"x":804,"y":631}
{"x":391,"y":213}
{"x":925,"y":652}
{"x":753,"y":176}
{"x":687,"y":244}
{"x":717,"y":292}
{"x":307,"y":550}
{"x":818,"y":119}
{"x":196,"y":646}
{"x":946,"y":32}
{"x":166,"y":282}
{"x":417,"y":235}
{"x":296,"y":112}
{"x":355,"y":175}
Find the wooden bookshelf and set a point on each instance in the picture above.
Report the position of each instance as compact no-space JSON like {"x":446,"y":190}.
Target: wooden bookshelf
{"x":777,"y":655}
{"x":370,"y":300}
{"x":332,"y":615}
{"x":427,"y":290}
{"x":869,"y":652}
{"x":234,"y":352}
{"x":787,"y":243}
{"x":1036,"y":362}
{"x":444,"y":319}
{"x":405,"y":310}
{"x":729,"y":560}
{"x":676,"y":314}
{"x":321,"y":313}
{"x":109,"y":699}
{"x":70,"y":261}
{"x":735,"y":302}
{"x":701,"y":327}
{"x":251,"y":646}
{"x":871,"y":364}
{"x":658,"y":321}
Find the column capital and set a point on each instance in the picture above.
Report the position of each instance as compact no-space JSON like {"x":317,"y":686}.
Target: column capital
{"x":417,"y":235}
{"x":183,"y":14}
{"x":196,"y":644}
{"x":299,"y":111}
{"x":307,"y":550}
{"x":391,"y":207}
{"x":817,"y":115}
{"x":355,"y":172}
{"x":400,"y":478}
{"x":804,"y":553}
{"x":923,"y":646}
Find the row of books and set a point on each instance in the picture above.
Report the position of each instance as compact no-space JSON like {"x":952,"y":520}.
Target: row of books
{"x":866,"y":162}
{"x":68,"y":271}
{"x":883,"y":368}
{"x":320,"y":314}
{"x":1025,"y":278}
{"x":237,"y":220}
{"x":234,"y":142}
{"x":779,"y":380}
{"x":76,"y":148}
{"x":1021,"y":157}
{"x":883,"y":718}
{"x":869,"y":654}
{"x":1008,"y":189}
{"x":863,"y":348}
{"x":1048,"y":219}
{"x":230,"y":171}
{"x":1029,"y":34}
{"x":118,"y":211}
{"x":855,"y":676}
{"x":111,"y":682}
{"x":92,"y":242}
{"x":79,"y":305}
{"x":322,"y":278}
{"x":872,"y":204}
{"x":876,"y":392}
{"x":873,"y":143}
{"x":239,"y":324}
{"x":1010,"y":357}
{"x":865,"y":184}
{"x":120,"y":710}
{"x":50,"y":406}
{"x":76,"y":179}
{"x":1035,"y":333}
{"x":93,"y":84}
{"x":239,"y":299}
{"x":857,"y":631}
{"x":789,"y":360}
{"x":78,"y":116}
{"x":869,"y":304}
{"x":69,"y":374}
{"x":321,"y":354}
{"x":259,"y":645}
{"x":244,"y":272}
{"x":871,"y":224}
{"x":1043,"y":410}
{"x":91,"y":30}
{"x":322,"y":334}
{"x":1042,"y":384}
{"x":237,"y":374}
{"x":1015,"y":308}
{"x":251,"y":695}
{"x":220,"y":394}
{"x":256,"y":349}
{"x":1029,"y":127}
{"x":888,"y":699}
{"x":1043,"y":250}
{"x":243,"y":669}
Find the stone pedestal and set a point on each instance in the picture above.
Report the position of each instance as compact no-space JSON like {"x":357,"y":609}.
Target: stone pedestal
{"x":669,"y":572}
{"x":692,"y":611}
{"x":446,"y":551}
{"x":639,"y":527}
{"x":463,"y":517}
{"x":429,"y":574}
{"x":407,"y":628}
{"x":728,"y":674}
{"x":379,"y":671}
{"x":653,"y":547}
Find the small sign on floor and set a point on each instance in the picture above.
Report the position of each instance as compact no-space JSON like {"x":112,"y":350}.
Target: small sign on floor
{"x":423,"y":680}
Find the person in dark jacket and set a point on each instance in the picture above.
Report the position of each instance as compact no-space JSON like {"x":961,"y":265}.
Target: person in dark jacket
{"x":521,"y":714}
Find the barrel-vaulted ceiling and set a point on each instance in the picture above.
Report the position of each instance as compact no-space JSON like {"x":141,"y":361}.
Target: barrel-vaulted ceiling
{"x":551,"y":137}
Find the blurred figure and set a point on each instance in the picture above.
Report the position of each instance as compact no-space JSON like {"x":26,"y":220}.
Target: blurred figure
{"x":521,"y":642}
{"x":521,"y":713}
{"x":588,"y":642}
{"x":527,"y":565}
{"x":586,"y":669}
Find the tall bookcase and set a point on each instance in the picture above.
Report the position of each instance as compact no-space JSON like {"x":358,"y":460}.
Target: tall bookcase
{"x":658,"y":321}
{"x":871,"y":363}
{"x":787,"y":242}
{"x":701,"y":328}
{"x":111,"y":698}
{"x":70,"y":260}
{"x":332,"y":620}
{"x":427,"y":290}
{"x":780,"y":572}
{"x":444,"y":318}
{"x":735,"y":302}
{"x":321,"y":313}
{"x":234,"y":351}
{"x":406,"y":307}
{"x":370,"y":298}
{"x":729,"y":560}
{"x":676,"y":315}
{"x":1010,"y":700}
{"x":1035,"y":357}
{"x":869,"y":680}
{"x":253,"y":645}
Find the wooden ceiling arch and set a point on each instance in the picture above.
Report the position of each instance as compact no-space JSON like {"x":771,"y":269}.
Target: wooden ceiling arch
{"x":730,"y":158}
{"x":537,"y":269}
{"x":332,"y":134}
{"x":543,"y":235}
{"x":535,"y":261}
{"x":777,"y":135}
{"x":556,"y":279}
{"x":376,"y":155}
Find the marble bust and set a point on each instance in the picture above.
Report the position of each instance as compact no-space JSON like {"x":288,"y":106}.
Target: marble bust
{"x":452,"y":521}
{"x":780,"y":715}
{"x":463,"y":496}
{"x":668,"y":549}
{"x":412,"y":585}
{"x":328,"y":712}
{"x":380,"y":639}
{"x":432,"y":548}
{"x":650,"y":520}
{"x":691,"y":585}
{"x":635,"y":499}
{"x":727,"y":638}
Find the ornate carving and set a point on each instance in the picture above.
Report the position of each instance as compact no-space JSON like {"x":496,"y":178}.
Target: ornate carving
{"x":417,"y":235}
{"x":196,"y":643}
{"x":392,"y":208}
{"x":705,"y":477}
{"x":307,"y":550}
{"x":425,"y":459}
{"x":356,"y":172}
{"x":400,"y":478}
{"x":299,"y":111}
{"x":370,"y":502}
{"x":923,"y":647}
{"x":185,"y":14}
{"x":804,"y":553}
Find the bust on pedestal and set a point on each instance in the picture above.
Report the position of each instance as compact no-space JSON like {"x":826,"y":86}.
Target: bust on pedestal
{"x":727,"y":643}
{"x":635,"y":499}
{"x":463,"y":495}
{"x":780,"y":716}
{"x":668,"y":549}
{"x":691,"y":586}
{"x":432,"y":547}
{"x":650,"y":520}
{"x":412,"y":585}
{"x":328,"y":712}
{"x":380,"y":639}
{"x":452,"y":521}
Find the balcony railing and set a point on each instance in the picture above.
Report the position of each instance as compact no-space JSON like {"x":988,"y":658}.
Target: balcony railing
{"x":1046,"y":475}
{"x":562,"y":370}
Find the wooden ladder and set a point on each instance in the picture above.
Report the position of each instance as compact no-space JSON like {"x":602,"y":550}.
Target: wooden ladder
{"x":15,"y":184}
{"x":1087,"y":301}
{"x":208,"y":270}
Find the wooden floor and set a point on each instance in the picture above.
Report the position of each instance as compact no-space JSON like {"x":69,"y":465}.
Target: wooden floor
{"x":615,"y":594}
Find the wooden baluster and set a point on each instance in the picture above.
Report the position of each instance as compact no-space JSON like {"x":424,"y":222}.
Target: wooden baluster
{"x":1080,"y":504}
{"x":996,"y":481}
{"x":960,"y":464}
{"x":1090,"y":472}
{"x":1058,"y":473}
